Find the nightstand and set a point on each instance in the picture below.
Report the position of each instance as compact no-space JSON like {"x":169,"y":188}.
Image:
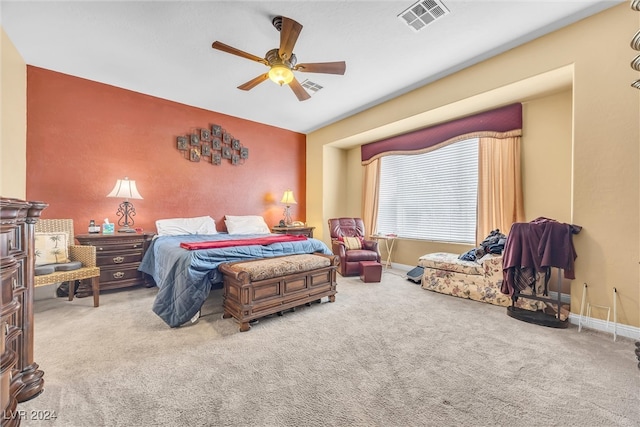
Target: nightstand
{"x":296,"y":231}
{"x":118,"y":255}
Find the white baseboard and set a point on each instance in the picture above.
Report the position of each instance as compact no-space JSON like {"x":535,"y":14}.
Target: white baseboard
{"x":601,"y":325}
{"x":402,"y":267}
{"x":587,"y":322}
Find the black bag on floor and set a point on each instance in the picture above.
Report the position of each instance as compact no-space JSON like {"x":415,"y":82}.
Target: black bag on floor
{"x":63,"y":289}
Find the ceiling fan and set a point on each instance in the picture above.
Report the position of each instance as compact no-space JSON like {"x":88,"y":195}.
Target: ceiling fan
{"x":282,"y":62}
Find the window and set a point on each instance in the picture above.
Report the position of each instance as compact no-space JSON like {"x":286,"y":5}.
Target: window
{"x":431,"y":196}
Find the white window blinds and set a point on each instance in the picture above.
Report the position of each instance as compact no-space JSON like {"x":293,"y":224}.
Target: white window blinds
{"x":431,"y":196}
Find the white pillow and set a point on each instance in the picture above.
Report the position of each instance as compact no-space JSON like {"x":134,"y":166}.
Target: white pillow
{"x":181,"y":226}
{"x":247,"y":224}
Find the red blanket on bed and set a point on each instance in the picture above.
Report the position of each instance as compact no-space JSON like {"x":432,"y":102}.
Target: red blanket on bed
{"x":242,"y":242}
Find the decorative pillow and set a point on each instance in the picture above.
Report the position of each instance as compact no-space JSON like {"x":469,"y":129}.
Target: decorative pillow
{"x":182,"y":226}
{"x":51,"y":248}
{"x":352,"y":242}
{"x":247,"y":224}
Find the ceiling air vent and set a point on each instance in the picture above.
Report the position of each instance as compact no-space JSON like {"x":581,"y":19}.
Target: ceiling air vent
{"x":423,"y":13}
{"x":310,"y":86}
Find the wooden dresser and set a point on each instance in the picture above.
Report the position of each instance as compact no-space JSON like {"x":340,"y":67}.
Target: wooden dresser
{"x":118,"y":256}
{"x":20,"y":378}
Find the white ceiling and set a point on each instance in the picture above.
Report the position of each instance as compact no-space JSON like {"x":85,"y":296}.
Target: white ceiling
{"x":163,"y":48}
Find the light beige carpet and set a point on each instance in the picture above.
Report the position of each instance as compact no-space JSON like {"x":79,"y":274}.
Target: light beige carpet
{"x":384,"y":354}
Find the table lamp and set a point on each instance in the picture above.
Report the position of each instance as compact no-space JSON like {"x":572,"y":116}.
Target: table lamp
{"x":288,"y":200}
{"x":125,"y":189}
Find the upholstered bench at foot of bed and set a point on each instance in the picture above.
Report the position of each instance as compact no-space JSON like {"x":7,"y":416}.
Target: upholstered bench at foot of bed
{"x":261,"y":287}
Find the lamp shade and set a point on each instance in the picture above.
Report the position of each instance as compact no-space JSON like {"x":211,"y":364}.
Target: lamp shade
{"x":281,"y":74}
{"x":288,"y":198}
{"x":125,"y":189}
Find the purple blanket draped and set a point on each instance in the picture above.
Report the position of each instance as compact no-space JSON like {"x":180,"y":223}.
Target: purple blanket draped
{"x":536,"y":246}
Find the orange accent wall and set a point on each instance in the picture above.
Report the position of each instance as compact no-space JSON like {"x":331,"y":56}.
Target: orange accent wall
{"x":82,"y":136}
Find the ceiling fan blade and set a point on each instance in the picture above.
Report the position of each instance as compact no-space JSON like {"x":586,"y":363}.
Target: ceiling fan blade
{"x":288,"y":37}
{"x":297,"y":88}
{"x":322,"y":67}
{"x":232,"y":50}
{"x":254,"y":82}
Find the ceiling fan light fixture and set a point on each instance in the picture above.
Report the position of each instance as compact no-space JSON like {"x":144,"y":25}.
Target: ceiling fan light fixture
{"x":282,"y":62}
{"x":281,"y":74}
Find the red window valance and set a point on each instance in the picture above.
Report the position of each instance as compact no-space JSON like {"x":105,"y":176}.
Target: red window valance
{"x":504,"y":119}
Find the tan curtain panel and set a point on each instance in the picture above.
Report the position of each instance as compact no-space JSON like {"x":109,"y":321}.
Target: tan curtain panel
{"x":370,"y":196}
{"x":500,"y":200}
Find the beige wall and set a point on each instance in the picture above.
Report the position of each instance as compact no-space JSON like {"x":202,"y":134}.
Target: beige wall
{"x":13,"y":148}
{"x":334,"y":175}
{"x":546,"y":157}
{"x":580,"y":140}
{"x":355,"y":177}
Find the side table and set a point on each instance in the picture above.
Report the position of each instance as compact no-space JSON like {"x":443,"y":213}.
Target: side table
{"x":296,"y":231}
{"x":389,"y":241}
{"x":118,"y":255}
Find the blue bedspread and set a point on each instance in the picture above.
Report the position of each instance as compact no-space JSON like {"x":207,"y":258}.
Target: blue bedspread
{"x":184,"y":278}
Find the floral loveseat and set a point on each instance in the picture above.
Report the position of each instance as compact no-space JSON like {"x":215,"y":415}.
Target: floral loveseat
{"x":477,"y":280}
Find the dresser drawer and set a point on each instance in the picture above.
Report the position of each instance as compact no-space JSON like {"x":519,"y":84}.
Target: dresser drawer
{"x":20,"y":283}
{"x":118,"y":257}
{"x":11,"y":242}
{"x":120,"y":245}
{"x":120,"y":274}
{"x":9,"y":283}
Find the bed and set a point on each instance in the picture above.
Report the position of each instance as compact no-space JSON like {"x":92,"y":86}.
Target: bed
{"x":185,"y":277}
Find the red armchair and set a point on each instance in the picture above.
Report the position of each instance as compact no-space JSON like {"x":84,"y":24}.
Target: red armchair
{"x":350,"y":258}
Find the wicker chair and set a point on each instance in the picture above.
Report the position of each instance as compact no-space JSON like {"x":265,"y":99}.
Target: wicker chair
{"x":85,"y":254}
